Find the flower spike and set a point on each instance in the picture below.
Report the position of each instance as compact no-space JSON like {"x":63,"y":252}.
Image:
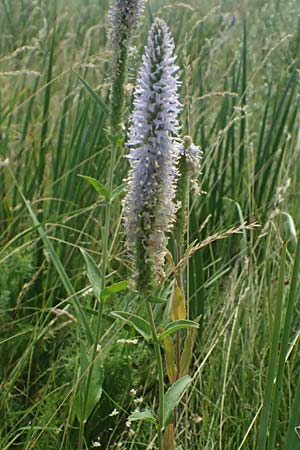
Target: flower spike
{"x":149,"y":206}
{"x":123,"y":17}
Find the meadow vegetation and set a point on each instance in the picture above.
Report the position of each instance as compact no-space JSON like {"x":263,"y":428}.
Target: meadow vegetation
{"x":239,"y":66}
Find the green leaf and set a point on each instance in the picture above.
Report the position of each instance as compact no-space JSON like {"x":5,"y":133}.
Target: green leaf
{"x":172,"y":397}
{"x":118,"y":191}
{"x":273,"y":355}
{"x":178,"y":308}
{"x":177,"y":325}
{"x":291,"y":227}
{"x":170,"y":358}
{"x":94,"y":95}
{"x":156,"y":299}
{"x":89,"y":389}
{"x":93,"y":273}
{"x":187,"y":353}
{"x":284,"y":348}
{"x":179,"y":448}
{"x":292,"y":439}
{"x":113,"y":288}
{"x":119,"y":140}
{"x":140,"y":324}
{"x":146,"y":415}
{"x":97,"y":186}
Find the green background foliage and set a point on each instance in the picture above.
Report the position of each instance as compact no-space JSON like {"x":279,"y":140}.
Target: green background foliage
{"x":239,"y":66}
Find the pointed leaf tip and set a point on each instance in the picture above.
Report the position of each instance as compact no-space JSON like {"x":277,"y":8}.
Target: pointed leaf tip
{"x":172,"y":397}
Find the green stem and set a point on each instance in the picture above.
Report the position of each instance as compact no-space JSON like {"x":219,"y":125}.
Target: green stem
{"x":103,"y":266}
{"x":117,"y":95}
{"x":116,"y":111}
{"x":179,"y":280}
{"x":117,"y":99}
{"x":160,"y":375}
{"x":81,"y":433}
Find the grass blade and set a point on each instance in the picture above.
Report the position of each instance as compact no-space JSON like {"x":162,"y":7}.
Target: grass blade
{"x":267,"y":403}
{"x":284,"y":349}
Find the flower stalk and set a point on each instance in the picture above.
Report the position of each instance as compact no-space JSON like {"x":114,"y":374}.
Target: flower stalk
{"x":188,"y":169}
{"x":161,"y":388}
{"x":124,"y":16}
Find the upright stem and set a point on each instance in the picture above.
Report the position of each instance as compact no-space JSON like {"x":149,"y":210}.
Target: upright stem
{"x":179,"y":281}
{"x":115,"y":119}
{"x":178,"y":255}
{"x":160,"y":375}
{"x":117,"y":94}
{"x":117,"y":99}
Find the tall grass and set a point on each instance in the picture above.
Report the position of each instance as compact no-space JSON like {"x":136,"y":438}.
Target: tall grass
{"x":240,"y":71}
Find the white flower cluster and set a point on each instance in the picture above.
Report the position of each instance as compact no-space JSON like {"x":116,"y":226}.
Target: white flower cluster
{"x":149,"y":205}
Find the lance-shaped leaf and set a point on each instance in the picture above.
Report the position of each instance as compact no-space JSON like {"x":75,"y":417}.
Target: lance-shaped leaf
{"x":140,"y":324}
{"x":90,"y":380}
{"x":93,"y":273}
{"x":146,"y":415}
{"x":177,"y":325}
{"x":118,"y":191}
{"x":97,"y":99}
{"x":170,"y":358}
{"x":113,"y":289}
{"x":178,"y":309}
{"x":97,"y":186}
{"x":172,"y":398}
{"x":187,"y":354}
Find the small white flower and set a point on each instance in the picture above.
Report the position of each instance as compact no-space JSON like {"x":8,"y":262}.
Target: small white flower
{"x":131,"y":432}
{"x":115,"y":412}
{"x":138,"y":400}
{"x":4,"y":163}
{"x":87,"y":292}
{"x":133,"y":392}
{"x":127,"y":341}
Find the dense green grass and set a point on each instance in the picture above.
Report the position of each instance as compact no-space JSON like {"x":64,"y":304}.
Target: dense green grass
{"x":240,"y":89}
